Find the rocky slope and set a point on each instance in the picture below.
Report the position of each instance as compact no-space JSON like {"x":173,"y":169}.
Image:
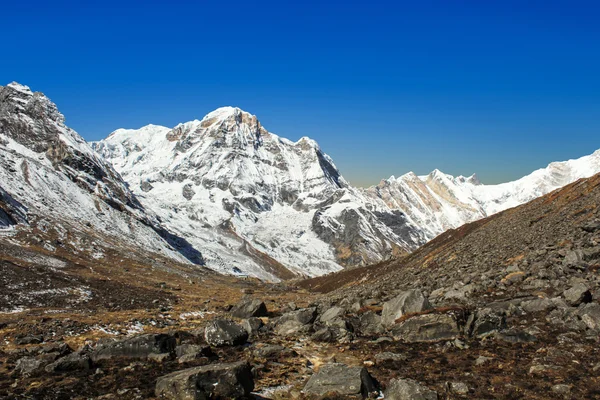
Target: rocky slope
{"x":253,"y":202}
{"x":438,"y":202}
{"x":56,"y":192}
{"x":506,"y":307}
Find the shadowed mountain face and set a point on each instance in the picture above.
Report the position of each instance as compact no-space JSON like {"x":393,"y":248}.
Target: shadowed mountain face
{"x":50,"y":177}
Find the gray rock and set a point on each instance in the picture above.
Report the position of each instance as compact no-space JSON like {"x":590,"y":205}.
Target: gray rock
{"x":28,"y":366}
{"x":590,"y":315}
{"x":538,"y":305}
{"x":369,"y":323}
{"x":411,"y":301}
{"x":485,"y":322}
{"x":189,"y":352}
{"x":188,"y":191}
{"x":481,"y":360}
{"x":389,"y":357}
{"x":426,"y":328}
{"x":407,"y":389}
{"x":223,"y":381}
{"x":273,"y":351}
{"x":31,"y":339}
{"x":252,"y":325}
{"x":296,"y":322}
{"x":223,"y":332}
{"x":249,"y":308}
{"x":136,"y":347}
{"x":515,"y":336}
{"x":332,"y":315}
{"x":340,"y":379}
{"x":577,"y":295}
{"x":72,"y":362}
{"x":564,"y":390}
{"x":459,"y":388}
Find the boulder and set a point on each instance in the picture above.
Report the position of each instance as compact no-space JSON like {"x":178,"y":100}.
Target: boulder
{"x":136,"y":347}
{"x":332,"y":316}
{"x":28,"y":366}
{"x":249,"y":308}
{"x":341,"y":380}
{"x":407,"y":389}
{"x":72,"y":362}
{"x":577,"y":295}
{"x":296,"y":322}
{"x":189,"y":352}
{"x":215,"y":381}
{"x":537,"y":305}
{"x":369,"y":323}
{"x":411,"y":301}
{"x":426,"y":328}
{"x":223,"y":332}
{"x":590,"y":315}
{"x":252,"y":325}
{"x":484,"y":322}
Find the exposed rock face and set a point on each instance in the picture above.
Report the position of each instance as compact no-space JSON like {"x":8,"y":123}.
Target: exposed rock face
{"x":215,"y":381}
{"x":242,"y":185}
{"x":354,"y":382}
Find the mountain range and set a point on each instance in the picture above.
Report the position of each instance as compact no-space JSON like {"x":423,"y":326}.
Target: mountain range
{"x":226,"y":193}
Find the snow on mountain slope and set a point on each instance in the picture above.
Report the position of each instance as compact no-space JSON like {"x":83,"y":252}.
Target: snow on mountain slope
{"x":50,"y":178}
{"x":437,"y":202}
{"x":253,"y":202}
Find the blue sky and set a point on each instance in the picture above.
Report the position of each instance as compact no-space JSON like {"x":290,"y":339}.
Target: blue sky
{"x":499,"y":88}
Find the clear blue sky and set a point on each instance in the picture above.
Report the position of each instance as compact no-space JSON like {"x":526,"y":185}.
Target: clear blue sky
{"x":494,"y":87}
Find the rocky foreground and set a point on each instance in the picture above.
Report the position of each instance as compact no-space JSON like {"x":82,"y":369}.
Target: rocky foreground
{"x":504,"y":308}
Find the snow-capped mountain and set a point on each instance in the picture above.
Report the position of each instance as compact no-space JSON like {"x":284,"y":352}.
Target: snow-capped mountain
{"x":62,"y":193}
{"x":254,"y":202}
{"x":437,"y":202}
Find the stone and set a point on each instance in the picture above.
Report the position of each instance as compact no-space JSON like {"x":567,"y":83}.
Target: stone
{"x":407,"y":389}
{"x":537,"y":305}
{"x":411,"y":301}
{"x":389,"y":357}
{"x":252,"y":325}
{"x":485,"y":322}
{"x":223,"y":332}
{"x":426,"y":328}
{"x":249,"y":308}
{"x":342,"y":380}
{"x":577,"y":295}
{"x":459,"y":388}
{"x":296,"y":322}
{"x":273,"y":351}
{"x":28,"y":366}
{"x":369,"y":323}
{"x":481,"y":360}
{"x":136,"y":347}
{"x":515,"y":336}
{"x":72,"y":362}
{"x":31,"y":339}
{"x":562,"y":389}
{"x":332,"y":315}
{"x":223,"y":381}
{"x":590,"y":315}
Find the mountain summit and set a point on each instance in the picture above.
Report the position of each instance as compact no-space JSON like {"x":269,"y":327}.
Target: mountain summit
{"x":250,"y":198}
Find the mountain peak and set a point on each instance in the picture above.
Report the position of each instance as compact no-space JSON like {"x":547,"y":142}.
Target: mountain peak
{"x":19,"y":88}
